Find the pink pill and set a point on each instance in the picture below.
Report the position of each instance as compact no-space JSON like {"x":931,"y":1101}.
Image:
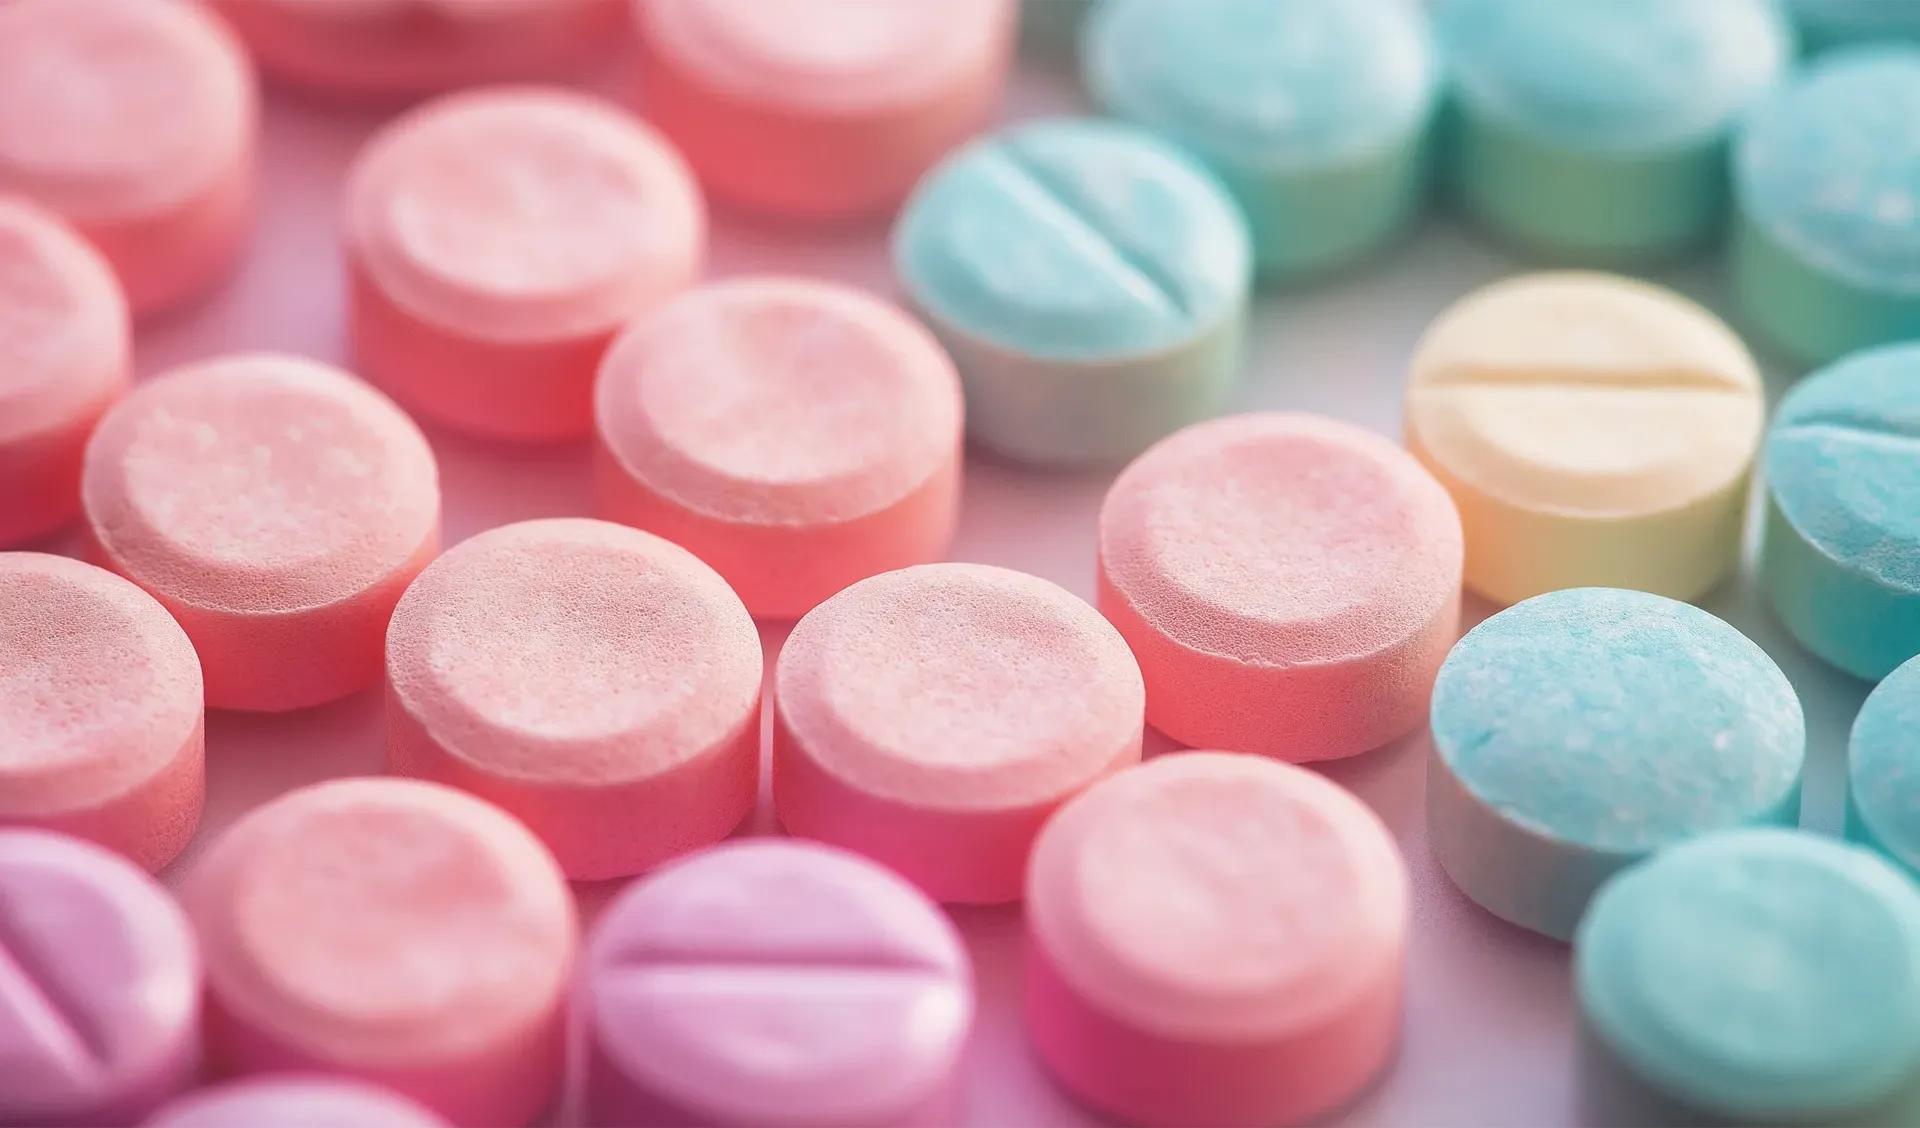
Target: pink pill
{"x":100,"y":710}
{"x":277,"y":508}
{"x":770,"y":983}
{"x":1290,"y":584}
{"x":498,"y":240}
{"x":64,"y":345}
{"x":294,"y":1102}
{"x":1215,"y":939}
{"x":99,"y":986}
{"x":392,"y":930}
{"x":820,"y":109}
{"x":934,"y":718}
{"x":594,"y":681}
{"x":796,"y":435}
{"x":136,"y":122}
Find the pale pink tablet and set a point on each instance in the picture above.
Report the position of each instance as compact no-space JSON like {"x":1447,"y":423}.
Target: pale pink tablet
{"x":769,"y":983}
{"x":277,"y":508}
{"x":935,"y":717}
{"x":497,"y":240}
{"x":391,"y":930}
{"x":1289,"y":583}
{"x":1215,"y":939}
{"x":99,"y":986}
{"x":100,"y":710}
{"x":820,"y":109}
{"x":64,"y":355}
{"x":595,"y":681}
{"x":796,"y":435}
{"x":294,"y":1102}
{"x":136,"y":122}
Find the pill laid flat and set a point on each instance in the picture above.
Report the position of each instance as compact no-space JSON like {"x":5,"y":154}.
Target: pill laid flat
{"x":135,"y":122}
{"x":934,"y":718}
{"x":1215,"y":939}
{"x":1883,"y":768}
{"x":773,"y":984}
{"x":598,"y":683}
{"x":1582,"y":730}
{"x":1594,"y":431}
{"x":1089,"y":280}
{"x":392,"y":930}
{"x":497,"y":240}
{"x":795,"y":435}
{"x":293,"y":1102}
{"x":99,"y":986}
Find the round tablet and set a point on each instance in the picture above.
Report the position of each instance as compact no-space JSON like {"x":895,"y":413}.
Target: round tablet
{"x":1289,"y":583}
{"x":596,"y":682}
{"x":1826,"y":252}
{"x":1582,"y":730}
{"x":99,"y":985}
{"x":796,"y":435}
{"x":277,"y":508}
{"x":1883,"y":769}
{"x":390,"y":930}
{"x":1840,"y":554}
{"x":1314,"y":114}
{"x":496,"y":241}
{"x":820,"y":109}
{"x":770,"y":982}
{"x":100,"y":710}
{"x":1090,"y":281}
{"x":1215,"y":939}
{"x":1598,"y":130}
{"x":293,"y":1102}
{"x":64,"y":358}
{"x":1761,"y":975}
{"x":934,"y":718}
{"x":1593,"y":430}
{"x":136,"y":122}
{"x":1834,"y":23}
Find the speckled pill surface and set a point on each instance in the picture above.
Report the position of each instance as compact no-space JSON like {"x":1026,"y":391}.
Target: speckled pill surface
{"x":294,"y":1102}
{"x":1883,"y":768}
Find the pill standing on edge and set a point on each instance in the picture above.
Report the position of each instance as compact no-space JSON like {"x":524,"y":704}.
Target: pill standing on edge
{"x":496,"y":242}
{"x":1090,"y":281}
{"x":99,"y":986}
{"x":136,"y":123}
{"x":773,"y":984}
{"x":598,"y":683}
{"x":1883,"y":768}
{"x":1595,"y":431}
{"x":935,"y":717}
{"x":391,"y":930}
{"x":293,"y":1102}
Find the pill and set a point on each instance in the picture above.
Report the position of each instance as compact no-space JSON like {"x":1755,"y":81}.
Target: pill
{"x":596,"y":682}
{"x":1883,"y":769}
{"x":1090,"y":282}
{"x":1289,"y":584}
{"x":294,"y":1102}
{"x":391,"y":930}
{"x":1581,"y":730}
{"x":496,"y":242}
{"x":135,"y":122}
{"x":774,"y":984}
{"x":1594,"y":431}
{"x":1314,"y":114}
{"x":64,"y":356}
{"x":1760,"y":976}
{"x":1596,"y":130}
{"x":99,"y":986}
{"x":1840,"y":553}
{"x":100,"y":710}
{"x":795,"y":435}
{"x":398,"y":48}
{"x":276,"y":507}
{"x":1835,"y":23}
{"x":1825,"y":257}
{"x":819,"y":109}
{"x":1215,"y":939}
{"x":934,"y":718}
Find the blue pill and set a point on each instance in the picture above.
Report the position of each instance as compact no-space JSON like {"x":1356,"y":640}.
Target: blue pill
{"x":1883,"y":768}
{"x":1090,"y":281}
{"x":1833,"y":23}
{"x":1596,"y":130}
{"x":1313,"y":113}
{"x":1826,"y":251}
{"x":1577,"y":732}
{"x":1760,"y":976}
